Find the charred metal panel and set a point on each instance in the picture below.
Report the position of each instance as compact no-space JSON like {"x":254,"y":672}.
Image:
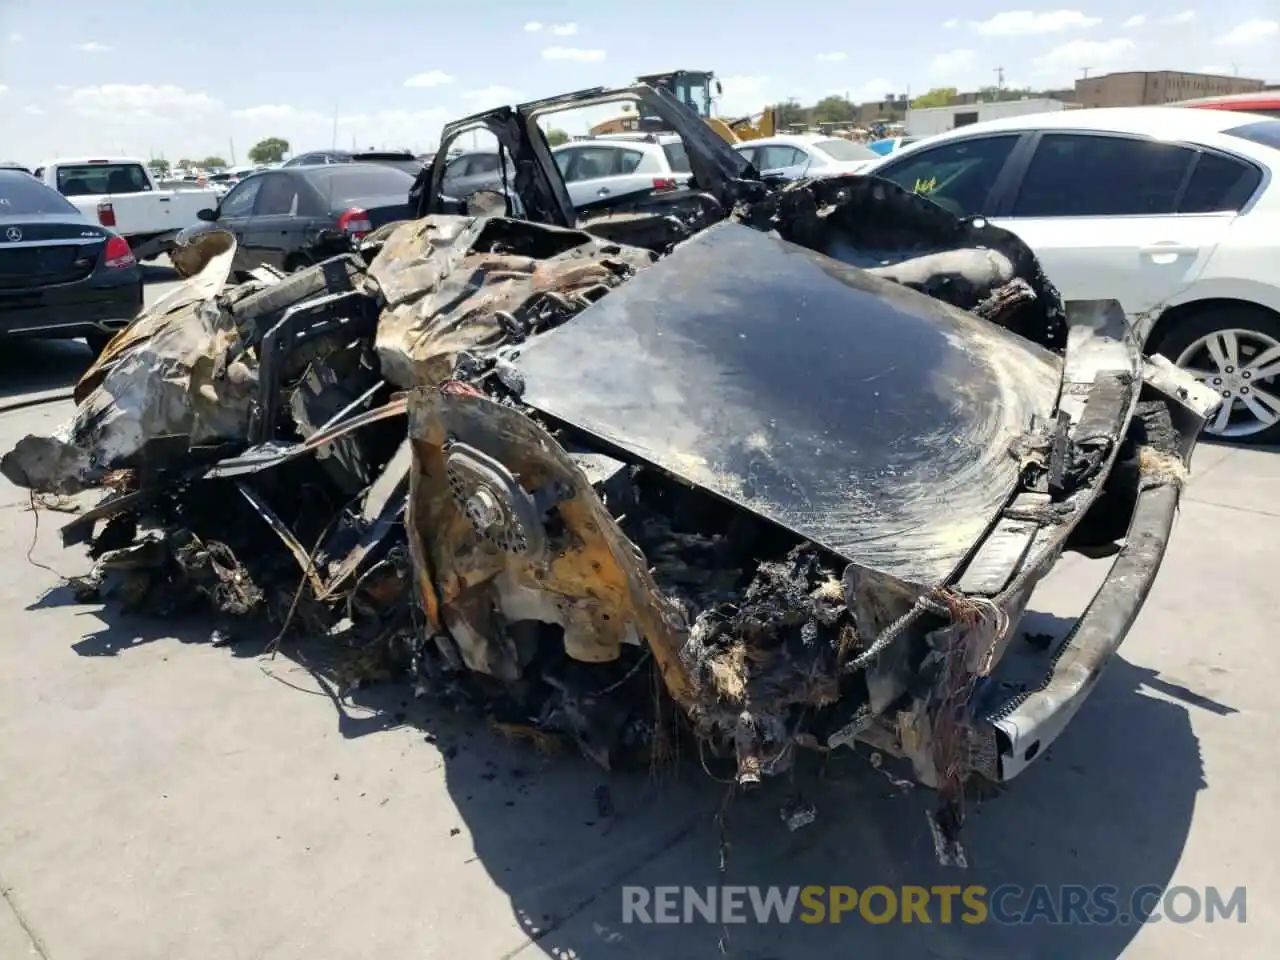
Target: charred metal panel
{"x":860,"y":414}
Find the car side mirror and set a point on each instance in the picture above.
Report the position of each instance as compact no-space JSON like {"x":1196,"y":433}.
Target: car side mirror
{"x":207,"y":213}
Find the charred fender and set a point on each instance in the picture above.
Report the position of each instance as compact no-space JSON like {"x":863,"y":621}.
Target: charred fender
{"x":511,"y":530}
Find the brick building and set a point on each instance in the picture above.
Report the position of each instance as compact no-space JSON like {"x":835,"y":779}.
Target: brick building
{"x":1148,"y":88}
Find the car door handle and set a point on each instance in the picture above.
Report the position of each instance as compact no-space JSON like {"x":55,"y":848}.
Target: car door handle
{"x":602,"y":192}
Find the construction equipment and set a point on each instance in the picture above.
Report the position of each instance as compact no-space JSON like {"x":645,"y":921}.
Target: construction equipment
{"x":692,"y":87}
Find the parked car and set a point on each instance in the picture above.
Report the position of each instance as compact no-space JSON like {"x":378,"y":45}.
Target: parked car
{"x":791,"y":156}
{"x":400,"y":159}
{"x":1175,"y":213}
{"x":1265,"y":103}
{"x":61,"y":274}
{"x":755,"y":369}
{"x":475,"y":170}
{"x":607,"y":167}
{"x":888,"y":145}
{"x":11,"y":165}
{"x":120,"y":193}
{"x":294,"y":216}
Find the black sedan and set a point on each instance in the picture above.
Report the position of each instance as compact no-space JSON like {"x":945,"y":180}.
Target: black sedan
{"x":295,"y":216}
{"x":61,"y":275}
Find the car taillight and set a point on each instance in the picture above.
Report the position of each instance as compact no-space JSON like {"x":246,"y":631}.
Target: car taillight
{"x":663,"y":183}
{"x":106,"y":213}
{"x":118,"y":254}
{"x":355,"y":223}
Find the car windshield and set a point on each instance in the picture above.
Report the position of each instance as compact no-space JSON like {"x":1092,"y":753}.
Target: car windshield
{"x":87,"y":179}
{"x":677,"y":157}
{"x":343,"y":182}
{"x":1265,"y":132}
{"x":838,"y":149}
{"x":22,"y":195}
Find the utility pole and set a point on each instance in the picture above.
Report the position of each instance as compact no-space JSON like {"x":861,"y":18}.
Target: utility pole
{"x":334,"y":144}
{"x":1084,"y":72}
{"x":231,"y":143}
{"x":999,"y":81}
{"x":1235,"y":68}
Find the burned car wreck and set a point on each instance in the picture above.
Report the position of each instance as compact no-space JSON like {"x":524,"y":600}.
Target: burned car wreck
{"x":775,"y":469}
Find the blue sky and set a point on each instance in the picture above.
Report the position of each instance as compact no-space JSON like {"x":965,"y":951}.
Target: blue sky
{"x":143,"y":77}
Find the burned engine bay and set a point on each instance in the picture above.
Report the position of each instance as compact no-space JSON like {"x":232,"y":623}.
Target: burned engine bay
{"x":786,"y":483}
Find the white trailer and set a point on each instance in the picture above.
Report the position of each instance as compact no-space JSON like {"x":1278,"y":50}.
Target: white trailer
{"x":927,"y":121}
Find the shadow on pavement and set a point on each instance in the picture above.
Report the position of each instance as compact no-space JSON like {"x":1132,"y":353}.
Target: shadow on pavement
{"x":31,"y":366}
{"x":159,"y":271}
{"x":1109,"y":805}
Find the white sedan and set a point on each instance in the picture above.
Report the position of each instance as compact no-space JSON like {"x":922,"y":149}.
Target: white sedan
{"x":1173,"y":212}
{"x":791,"y":156}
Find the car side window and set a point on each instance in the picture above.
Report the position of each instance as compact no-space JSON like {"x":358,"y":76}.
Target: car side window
{"x":958,"y":175}
{"x":591,"y":163}
{"x":563,"y":159}
{"x":778,"y":155}
{"x":628,"y":160}
{"x":1080,"y":175}
{"x":1219,"y":184}
{"x":752,"y":154}
{"x":276,"y":196}
{"x":482,"y":163}
{"x":239,"y":202}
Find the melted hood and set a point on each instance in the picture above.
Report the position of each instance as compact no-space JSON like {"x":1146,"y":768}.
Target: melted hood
{"x":862,"y":415}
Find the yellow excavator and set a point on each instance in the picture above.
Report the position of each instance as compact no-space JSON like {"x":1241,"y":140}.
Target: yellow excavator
{"x":694,"y":88}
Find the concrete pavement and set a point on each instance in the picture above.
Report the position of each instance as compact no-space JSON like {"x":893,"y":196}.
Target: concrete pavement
{"x":162,"y":798}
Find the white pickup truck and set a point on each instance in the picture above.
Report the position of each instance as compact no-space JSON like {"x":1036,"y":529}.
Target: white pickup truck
{"x":119,"y":192}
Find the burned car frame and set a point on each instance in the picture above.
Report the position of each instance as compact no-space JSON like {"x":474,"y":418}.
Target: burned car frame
{"x":782,"y":476}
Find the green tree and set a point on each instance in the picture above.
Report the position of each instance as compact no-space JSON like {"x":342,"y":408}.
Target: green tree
{"x":789,"y":113}
{"x":214,"y":161}
{"x":555,"y":137}
{"x":270,"y":150}
{"x":937,"y":97}
{"x":832,"y":110}
{"x":158,"y":166}
{"x":185,"y":164}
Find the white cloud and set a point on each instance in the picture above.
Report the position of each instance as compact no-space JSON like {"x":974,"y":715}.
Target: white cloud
{"x":1249,"y":32}
{"x":873,"y":90}
{"x":743,"y":95}
{"x":1136,"y":20}
{"x":533,"y":26}
{"x":564,"y":29}
{"x":278,"y":113}
{"x":494,"y":96}
{"x":141,"y":101}
{"x":392,"y":128}
{"x":952,"y":62}
{"x":32,"y":110}
{"x":15,"y":38}
{"x":1186,"y":16}
{"x":833,"y":57}
{"x":3,"y":89}
{"x":1022,"y":23}
{"x":432,"y":78}
{"x":952,"y":24}
{"x":572,"y":53}
{"x":1214,"y":70}
{"x":1085,"y":53}
{"x":92,"y":46}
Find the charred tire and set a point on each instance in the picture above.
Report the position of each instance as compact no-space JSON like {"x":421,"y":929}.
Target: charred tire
{"x":1223,"y":345}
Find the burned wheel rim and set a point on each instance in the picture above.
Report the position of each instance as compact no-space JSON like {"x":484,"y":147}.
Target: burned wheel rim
{"x":1243,"y":368}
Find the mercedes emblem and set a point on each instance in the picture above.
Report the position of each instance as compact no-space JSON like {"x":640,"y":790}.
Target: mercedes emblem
{"x":14,"y":234}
